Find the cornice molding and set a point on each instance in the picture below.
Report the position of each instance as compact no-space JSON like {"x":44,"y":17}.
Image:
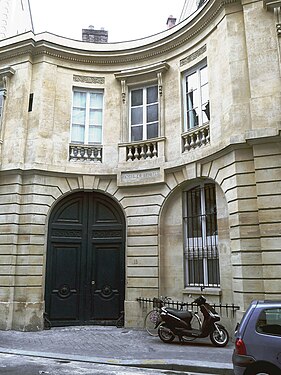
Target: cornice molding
{"x":153,"y":69}
{"x":120,"y":53}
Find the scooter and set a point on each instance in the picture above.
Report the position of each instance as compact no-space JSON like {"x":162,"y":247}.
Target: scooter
{"x":179,"y":323}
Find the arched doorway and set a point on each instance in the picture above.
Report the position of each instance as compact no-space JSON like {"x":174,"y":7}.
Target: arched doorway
{"x":85,"y":279}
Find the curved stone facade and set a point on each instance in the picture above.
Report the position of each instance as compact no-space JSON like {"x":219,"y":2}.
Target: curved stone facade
{"x":237,"y":152}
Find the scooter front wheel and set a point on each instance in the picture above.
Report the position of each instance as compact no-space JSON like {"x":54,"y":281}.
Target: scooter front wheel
{"x":219,"y":336}
{"x":165,"y":334}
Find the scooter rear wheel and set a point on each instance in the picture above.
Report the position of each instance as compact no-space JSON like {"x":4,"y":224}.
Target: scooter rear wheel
{"x":165,"y":334}
{"x":220,"y":336}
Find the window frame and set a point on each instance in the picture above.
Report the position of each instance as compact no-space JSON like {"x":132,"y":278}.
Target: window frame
{"x":187,"y":73}
{"x":144,"y":106}
{"x":87,"y":125}
{"x":206,"y":245}
{"x":265,"y":327}
{"x":139,"y":77}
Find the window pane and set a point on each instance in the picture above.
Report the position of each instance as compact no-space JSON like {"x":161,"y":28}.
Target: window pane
{"x":194,"y":213}
{"x":136,"y":115}
{"x":204,"y":94}
{"x":192,"y":119}
{"x":191,"y":82}
{"x":205,"y":103}
{"x":152,"y":130}
{"x":95,"y":117}
{"x":206,"y":112}
{"x":195,"y":271}
{"x":77,"y":133}
{"x":270,"y":322}
{"x":152,"y":95}
{"x":136,"y":133}
{"x":192,"y":99}
{"x":136,"y":97}
{"x":152,"y":113}
{"x":79,"y":99}
{"x":210,"y":210}
{"x":213,"y":272}
{"x":78,"y":116}
{"x":204,"y":76}
{"x":96,"y":100}
{"x":95,"y":134}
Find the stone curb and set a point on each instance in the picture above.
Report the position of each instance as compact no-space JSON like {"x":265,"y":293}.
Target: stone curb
{"x":161,"y":364}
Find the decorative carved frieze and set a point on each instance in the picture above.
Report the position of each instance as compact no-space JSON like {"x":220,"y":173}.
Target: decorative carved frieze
{"x":194,"y":55}
{"x":88,"y":79}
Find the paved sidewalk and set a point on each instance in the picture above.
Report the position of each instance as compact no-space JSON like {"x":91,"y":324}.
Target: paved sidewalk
{"x":118,"y":346}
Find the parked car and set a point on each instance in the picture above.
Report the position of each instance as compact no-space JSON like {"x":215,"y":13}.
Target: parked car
{"x":258,"y":340}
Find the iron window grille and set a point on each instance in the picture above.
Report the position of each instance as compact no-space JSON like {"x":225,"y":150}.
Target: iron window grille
{"x":201,"y":237}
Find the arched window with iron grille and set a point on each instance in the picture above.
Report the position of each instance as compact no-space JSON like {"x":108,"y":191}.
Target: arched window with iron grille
{"x":201,"y":258}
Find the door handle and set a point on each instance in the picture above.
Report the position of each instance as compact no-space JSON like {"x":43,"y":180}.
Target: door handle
{"x":93,"y":282}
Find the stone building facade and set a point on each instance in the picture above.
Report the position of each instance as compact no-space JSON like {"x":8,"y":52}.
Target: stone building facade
{"x":140,"y":169}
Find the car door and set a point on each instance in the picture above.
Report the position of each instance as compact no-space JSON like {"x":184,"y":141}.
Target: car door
{"x":266,"y":340}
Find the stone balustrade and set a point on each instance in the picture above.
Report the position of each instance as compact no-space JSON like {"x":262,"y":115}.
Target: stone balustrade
{"x":142,"y":151}
{"x":196,"y":137}
{"x":92,"y":153}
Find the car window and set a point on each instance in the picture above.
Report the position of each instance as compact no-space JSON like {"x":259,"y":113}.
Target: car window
{"x":269,"y":322}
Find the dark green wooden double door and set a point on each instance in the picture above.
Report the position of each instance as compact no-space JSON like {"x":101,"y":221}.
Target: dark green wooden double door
{"x":85,"y":261}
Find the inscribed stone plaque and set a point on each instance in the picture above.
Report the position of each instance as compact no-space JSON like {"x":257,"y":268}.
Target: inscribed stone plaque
{"x":148,"y":176}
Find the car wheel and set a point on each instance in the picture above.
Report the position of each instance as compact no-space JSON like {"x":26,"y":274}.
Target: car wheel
{"x":262,"y":369}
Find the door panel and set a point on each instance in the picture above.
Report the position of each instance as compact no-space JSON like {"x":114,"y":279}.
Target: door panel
{"x":65,"y":282}
{"x":85,"y":261}
{"x":106,"y":289}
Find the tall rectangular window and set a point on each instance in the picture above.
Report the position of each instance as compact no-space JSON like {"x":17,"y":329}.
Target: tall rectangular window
{"x":87,"y":117}
{"x":200,"y":228}
{"x":144,"y":109}
{"x":196,"y":91}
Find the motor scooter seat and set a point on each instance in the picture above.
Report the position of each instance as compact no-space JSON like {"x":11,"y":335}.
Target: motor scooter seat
{"x":179,"y":313}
